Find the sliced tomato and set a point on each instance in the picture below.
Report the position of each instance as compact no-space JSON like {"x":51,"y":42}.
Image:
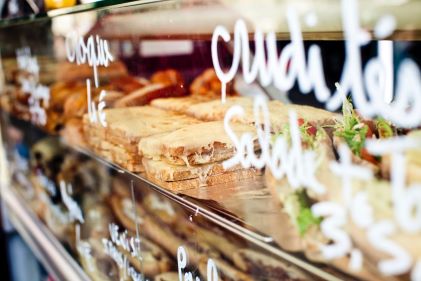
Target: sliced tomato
{"x":312,"y":131}
{"x":371,"y":128}
{"x":300,"y":121}
{"x":368,"y":157}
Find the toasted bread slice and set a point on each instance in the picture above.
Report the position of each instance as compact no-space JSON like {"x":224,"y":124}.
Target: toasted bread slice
{"x":195,"y":144}
{"x":179,"y":104}
{"x":148,"y":121}
{"x":213,"y":180}
{"x":167,"y":172}
{"x":278,"y":112}
{"x":216,"y":110}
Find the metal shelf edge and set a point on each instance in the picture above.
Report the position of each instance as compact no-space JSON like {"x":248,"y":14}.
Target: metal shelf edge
{"x":44,"y":245}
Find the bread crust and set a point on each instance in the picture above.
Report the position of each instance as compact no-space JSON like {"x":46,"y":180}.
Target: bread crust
{"x":213,"y":180}
{"x":194,"y":144}
{"x":169,"y":173}
{"x":178,"y":104}
{"x":148,"y":93}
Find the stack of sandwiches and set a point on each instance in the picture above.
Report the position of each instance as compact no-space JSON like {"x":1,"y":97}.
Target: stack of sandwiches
{"x":170,"y":141}
{"x":192,"y":156}
{"x":118,"y":142}
{"x":180,"y":142}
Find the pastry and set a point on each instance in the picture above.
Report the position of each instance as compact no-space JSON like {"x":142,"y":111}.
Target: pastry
{"x":68,"y":72}
{"x":167,"y":276}
{"x":208,"y":84}
{"x":161,"y":208}
{"x":98,"y":265}
{"x":128,"y":84}
{"x":148,"y":93}
{"x":225,"y":271}
{"x":168,"y":77}
{"x":266,"y":267}
{"x":154,"y":260}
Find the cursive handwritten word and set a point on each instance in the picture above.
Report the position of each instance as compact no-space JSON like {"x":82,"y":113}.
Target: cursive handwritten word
{"x":39,"y":94}
{"x":94,"y":114}
{"x":121,"y":260}
{"x":26,"y":61}
{"x":121,"y":239}
{"x":292,"y":161}
{"x":182,"y":261}
{"x":403,"y":111}
{"x":75,"y":213}
{"x":95,"y":51}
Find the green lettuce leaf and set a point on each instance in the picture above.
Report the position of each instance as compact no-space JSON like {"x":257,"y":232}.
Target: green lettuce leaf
{"x":384,"y":128}
{"x":306,"y":138}
{"x":352,"y":130}
{"x":305,"y":218}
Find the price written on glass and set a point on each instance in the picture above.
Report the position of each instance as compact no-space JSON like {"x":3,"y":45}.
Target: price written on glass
{"x":39,"y":94}
{"x":95,"y":52}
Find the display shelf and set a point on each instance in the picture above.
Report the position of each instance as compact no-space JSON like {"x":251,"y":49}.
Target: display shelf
{"x":212,"y":211}
{"x":97,"y":5}
{"x":201,"y":18}
{"x":44,"y":245}
{"x":128,"y":19}
{"x":226,"y":220}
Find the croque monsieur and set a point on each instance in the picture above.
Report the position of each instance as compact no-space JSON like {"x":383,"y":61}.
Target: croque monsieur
{"x":193,"y":156}
{"x":118,"y":141}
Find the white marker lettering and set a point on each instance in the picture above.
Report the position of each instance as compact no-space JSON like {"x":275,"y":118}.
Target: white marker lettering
{"x":299,"y":165}
{"x":182,"y":260}
{"x":332,"y":227}
{"x":75,"y":212}
{"x":94,"y":115}
{"x":400,"y":261}
{"x":403,"y":111}
{"x":406,"y":200}
{"x":95,"y":52}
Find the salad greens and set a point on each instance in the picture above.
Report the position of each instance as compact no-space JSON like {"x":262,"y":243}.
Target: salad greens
{"x":308,"y":133}
{"x":352,"y":130}
{"x":384,"y":128}
{"x":305,"y":218}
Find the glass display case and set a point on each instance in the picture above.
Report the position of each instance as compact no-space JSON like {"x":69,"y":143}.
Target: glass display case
{"x":215,"y":140}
